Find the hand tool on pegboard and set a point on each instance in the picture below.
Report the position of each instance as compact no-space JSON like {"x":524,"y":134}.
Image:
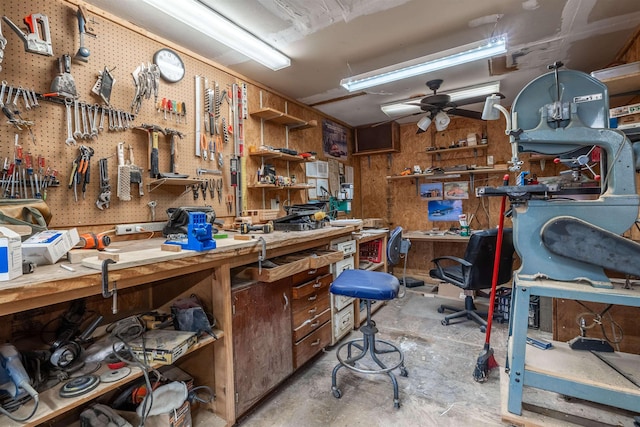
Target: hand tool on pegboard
{"x":152,"y":132}
{"x":104,"y":198}
{"x":173,"y":173}
{"x":33,"y":41}
{"x":135,"y":173}
{"x":64,"y":84}
{"x":3,"y":44}
{"x":123,"y":190}
{"x":83,"y":52}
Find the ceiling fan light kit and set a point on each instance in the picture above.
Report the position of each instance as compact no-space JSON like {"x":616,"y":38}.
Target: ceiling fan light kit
{"x":423,"y":124}
{"x":399,"y":108}
{"x":482,"y":49}
{"x":205,"y":20}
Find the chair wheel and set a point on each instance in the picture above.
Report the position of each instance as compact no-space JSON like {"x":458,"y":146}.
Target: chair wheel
{"x":440,"y":309}
{"x":404,"y":372}
{"x":483,"y":329}
{"x":336,"y":393}
{"x":396,"y":404}
{"x":444,"y":322}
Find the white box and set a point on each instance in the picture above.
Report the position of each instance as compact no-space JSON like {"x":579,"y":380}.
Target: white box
{"x":10,"y":254}
{"x":47,"y":247}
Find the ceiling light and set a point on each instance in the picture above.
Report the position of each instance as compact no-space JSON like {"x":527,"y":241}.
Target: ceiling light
{"x":210,"y":23}
{"x":442,"y":121}
{"x":423,"y":124}
{"x":449,"y":58}
{"x":400,"y":108}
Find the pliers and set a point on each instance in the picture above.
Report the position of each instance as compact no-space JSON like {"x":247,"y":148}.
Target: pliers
{"x":219,"y":188}
{"x":203,"y":186}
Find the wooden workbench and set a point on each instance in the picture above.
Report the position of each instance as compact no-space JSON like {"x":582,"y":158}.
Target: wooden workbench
{"x":146,"y":284}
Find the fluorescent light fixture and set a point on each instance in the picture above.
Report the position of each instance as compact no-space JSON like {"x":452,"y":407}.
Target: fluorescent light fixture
{"x":200,"y":17}
{"x":401,"y":108}
{"x":449,"y":58}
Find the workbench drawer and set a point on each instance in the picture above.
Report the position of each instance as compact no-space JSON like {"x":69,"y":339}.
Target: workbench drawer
{"x":285,"y":267}
{"x":309,"y":274}
{"x":343,"y":322}
{"x":311,"y":325}
{"x":305,"y":310}
{"x":321,"y":258}
{"x":313,"y":287}
{"x":341,"y":301}
{"x":311,"y":345}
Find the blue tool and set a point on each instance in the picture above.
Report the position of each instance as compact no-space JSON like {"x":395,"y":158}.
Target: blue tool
{"x":14,"y":379}
{"x":199,"y":234}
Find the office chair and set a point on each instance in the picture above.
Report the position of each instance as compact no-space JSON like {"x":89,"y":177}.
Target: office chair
{"x":371,"y":286}
{"x":475,"y":272}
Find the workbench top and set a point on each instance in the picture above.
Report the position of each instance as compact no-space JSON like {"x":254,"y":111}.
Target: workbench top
{"x":54,"y":283}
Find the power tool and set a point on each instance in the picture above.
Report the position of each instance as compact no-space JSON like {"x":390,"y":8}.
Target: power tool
{"x":93,"y":241}
{"x":265,"y":228}
{"x":14,"y":379}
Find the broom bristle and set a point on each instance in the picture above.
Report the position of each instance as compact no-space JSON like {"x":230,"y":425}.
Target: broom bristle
{"x":492,"y":363}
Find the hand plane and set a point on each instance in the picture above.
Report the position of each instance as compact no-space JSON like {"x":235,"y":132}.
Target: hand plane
{"x":33,"y":42}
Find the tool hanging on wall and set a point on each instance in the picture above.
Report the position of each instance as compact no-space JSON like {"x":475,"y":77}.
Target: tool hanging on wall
{"x":152,"y":131}
{"x":33,"y":42}
{"x":135,"y":173}
{"x":104,"y":198}
{"x":64,"y":84}
{"x":173,"y":173}
{"x":124,"y":175}
{"x":83,"y":52}
{"x":3,"y":44}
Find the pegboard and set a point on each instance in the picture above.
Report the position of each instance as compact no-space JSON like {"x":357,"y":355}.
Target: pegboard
{"x":121,"y":50}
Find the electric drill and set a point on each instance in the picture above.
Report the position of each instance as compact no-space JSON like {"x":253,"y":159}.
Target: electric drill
{"x":93,"y":241}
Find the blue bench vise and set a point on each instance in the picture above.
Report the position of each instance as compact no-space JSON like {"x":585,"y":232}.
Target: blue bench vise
{"x":199,"y":234}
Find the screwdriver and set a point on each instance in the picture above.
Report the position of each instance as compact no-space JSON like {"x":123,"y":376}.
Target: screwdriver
{"x":184,"y":112}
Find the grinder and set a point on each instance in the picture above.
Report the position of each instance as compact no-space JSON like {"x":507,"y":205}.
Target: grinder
{"x":93,"y":241}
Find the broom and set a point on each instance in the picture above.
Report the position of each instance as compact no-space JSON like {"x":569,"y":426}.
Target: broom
{"x":486,"y":361}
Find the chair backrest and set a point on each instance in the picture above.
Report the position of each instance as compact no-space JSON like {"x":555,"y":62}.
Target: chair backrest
{"x":480,"y":252}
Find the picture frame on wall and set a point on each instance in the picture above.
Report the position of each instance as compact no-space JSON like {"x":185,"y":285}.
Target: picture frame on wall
{"x":431,"y":191}
{"x":444,"y":210}
{"x":457,"y":190}
{"x":334,"y":140}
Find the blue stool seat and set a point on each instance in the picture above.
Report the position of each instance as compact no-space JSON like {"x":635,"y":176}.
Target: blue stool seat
{"x":365,"y":284}
{"x":383,"y":356}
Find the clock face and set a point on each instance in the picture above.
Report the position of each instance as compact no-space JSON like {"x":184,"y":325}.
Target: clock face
{"x":170,"y":64}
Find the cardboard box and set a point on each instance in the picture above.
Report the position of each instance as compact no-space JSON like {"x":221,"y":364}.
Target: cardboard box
{"x":163,"y":346}
{"x":48,"y":246}
{"x":624,"y":110}
{"x":10,"y":254}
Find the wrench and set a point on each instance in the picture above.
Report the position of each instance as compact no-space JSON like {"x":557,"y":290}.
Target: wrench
{"x":34,"y":99}
{"x":70,"y":139}
{"x":2,"y":91}
{"x":111,"y":126}
{"x":15,"y":98}
{"x":8,"y":100}
{"x":76,"y":113}
{"x":25,"y":99}
{"x":94,"y":125}
{"x":101,"y":127}
{"x":85,"y":129}
{"x":120,"y":127}
{"x":89,"y":119}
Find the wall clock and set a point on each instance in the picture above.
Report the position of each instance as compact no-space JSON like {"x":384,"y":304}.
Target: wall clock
{"x":170,"y":65}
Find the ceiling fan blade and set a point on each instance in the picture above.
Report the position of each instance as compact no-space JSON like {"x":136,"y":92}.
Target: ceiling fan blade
{"x":474,"y":100}
{"x":465,"y":113}
{"x":397,"y":118}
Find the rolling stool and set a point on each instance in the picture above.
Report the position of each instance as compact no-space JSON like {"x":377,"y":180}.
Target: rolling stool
{"x":368,"y":286}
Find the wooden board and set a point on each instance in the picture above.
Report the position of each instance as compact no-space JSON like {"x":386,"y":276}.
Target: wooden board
{"x":133,"y":258}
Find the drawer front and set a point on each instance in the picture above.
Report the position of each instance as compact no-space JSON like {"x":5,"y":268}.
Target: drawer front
{"x":311,"y":325}
{"x":348,"y":247}
{"x":311,"y":345}
{"x":317,"y":286}
{"x":344,"y":264}
{"x":307,"y":310}
{"x":341,"y":301}
{"x":308,"y":274}
{"x":343,"y":322}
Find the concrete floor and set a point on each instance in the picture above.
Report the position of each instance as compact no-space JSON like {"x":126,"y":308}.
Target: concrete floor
{"x":439,"y":391}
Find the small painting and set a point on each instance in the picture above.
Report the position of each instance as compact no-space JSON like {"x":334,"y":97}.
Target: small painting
{"x":444,"y":210}
{"x":431,"y":191}
{"x":456,"y":190}
{"x":334,"y":140}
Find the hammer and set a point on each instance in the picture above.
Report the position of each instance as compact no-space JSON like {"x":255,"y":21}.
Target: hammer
{"x":152,"y":131}
{"x":172,"y":161}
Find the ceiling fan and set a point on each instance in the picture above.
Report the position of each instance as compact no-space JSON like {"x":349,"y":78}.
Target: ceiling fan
{"x":439,"y":107}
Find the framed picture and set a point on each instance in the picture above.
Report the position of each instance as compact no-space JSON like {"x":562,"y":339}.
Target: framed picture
{"x":444,"y":210}
{"x":431,"y":191}
{"x":456,"y":190}
{"x":334,"y":140}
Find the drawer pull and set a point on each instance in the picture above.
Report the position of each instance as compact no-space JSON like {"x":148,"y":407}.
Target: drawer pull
{"x":313,"y":310}
{"x":286,"y":301}
{"x":316,"y":342}
{"x":317,"y":285}
{"x":313,"y":297}
{"x":314,"y":324}
{"x":314,"y":271}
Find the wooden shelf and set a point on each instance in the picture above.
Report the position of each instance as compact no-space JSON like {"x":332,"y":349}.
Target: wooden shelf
{"x":275,"y":187}
{"x":271,"y":154}
{"x":173,"y":181}
{"x":448,"y":150}
{"x":623,"y":79}
{"x":275,"y":116}
{"x":447,"y":175}
{"x":52,"y":405}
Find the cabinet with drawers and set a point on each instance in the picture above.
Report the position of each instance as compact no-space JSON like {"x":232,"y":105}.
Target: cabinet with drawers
{"x":342,"y":311}
{"x":310,"y":313}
